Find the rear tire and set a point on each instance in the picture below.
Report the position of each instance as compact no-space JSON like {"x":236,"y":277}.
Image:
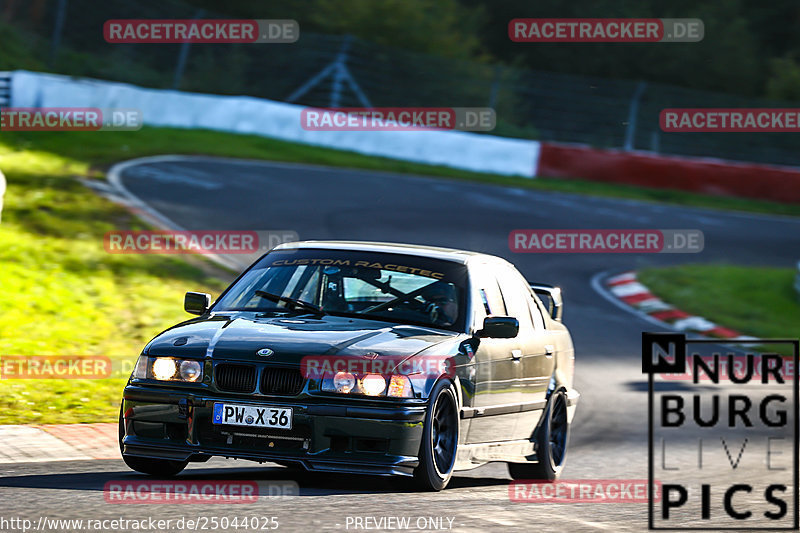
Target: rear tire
{"x":437,"y":453}
{"x":152,"y":467}
{"x":551,"y":444}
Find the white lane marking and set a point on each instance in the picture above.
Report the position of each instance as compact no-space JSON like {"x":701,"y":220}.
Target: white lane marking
{"x":707,"y":221}
{"x":629,"y":289}
{"x":483,"y":200}
{"x":171,"y":176}
{"x":559,"y":201}
{"x":146,"y":212}
{"x":599,"y":289}
{"x":653,"y":305}
{"x":620,"y":214}
{"x":695,"y":323}
{"x":627,"y":276}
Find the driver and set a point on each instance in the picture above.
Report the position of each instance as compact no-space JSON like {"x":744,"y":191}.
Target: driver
{"x":443,"y":306}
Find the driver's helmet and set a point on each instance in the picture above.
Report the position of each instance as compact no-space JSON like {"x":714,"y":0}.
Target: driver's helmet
{"x":444,"y":296}
{"x":440,"y":291}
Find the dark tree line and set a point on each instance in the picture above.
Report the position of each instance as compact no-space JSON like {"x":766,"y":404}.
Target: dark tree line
{"x":751,"y":47}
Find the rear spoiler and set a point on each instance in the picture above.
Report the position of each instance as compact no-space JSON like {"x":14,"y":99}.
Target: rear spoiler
{"x":551,"y":298}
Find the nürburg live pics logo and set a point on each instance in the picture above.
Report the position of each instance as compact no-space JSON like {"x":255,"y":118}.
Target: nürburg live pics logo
{"x":723,"y":443}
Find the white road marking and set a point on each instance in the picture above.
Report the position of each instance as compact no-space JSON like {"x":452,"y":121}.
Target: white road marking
{"x":629,"y":289}
{"x":695,"y":323}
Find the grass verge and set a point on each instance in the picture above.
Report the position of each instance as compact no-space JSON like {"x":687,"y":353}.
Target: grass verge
{"x":64,"y":295}
{"x":756,"y":301}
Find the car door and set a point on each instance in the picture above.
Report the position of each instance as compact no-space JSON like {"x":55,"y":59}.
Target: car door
{"x":537,"y":361}
{"x":496,"y":395}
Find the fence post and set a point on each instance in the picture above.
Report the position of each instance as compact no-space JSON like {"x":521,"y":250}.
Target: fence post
{"x":633,"y":112}
{"x":498,"y":73}
{"x":338,"y":69}
{"x":655,"y":142}
{"x":58,"y":31}
{"x":5,"y":89}
{"x":183,"y":55}
{"x":340,"y":72}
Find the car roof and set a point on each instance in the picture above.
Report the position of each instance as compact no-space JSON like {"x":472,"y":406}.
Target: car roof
{"x":435,"y":252}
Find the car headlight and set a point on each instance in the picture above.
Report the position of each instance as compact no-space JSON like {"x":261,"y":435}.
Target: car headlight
{"x":344,"y":382}
{"x":168,"y":369}
{"x":164,"y":368}
{"x":399,"y":386}
{"x":191,"y":370}
{"x":140,"y":370}
{"x":373,"y":384}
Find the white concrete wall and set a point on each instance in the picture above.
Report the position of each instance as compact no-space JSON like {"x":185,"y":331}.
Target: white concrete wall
{"x":2,"y":192}
{"x":244,"y":114}
{"x":797,"y":279}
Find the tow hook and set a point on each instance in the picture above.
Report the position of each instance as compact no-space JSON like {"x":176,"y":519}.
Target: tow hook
{"x":183,"y":408}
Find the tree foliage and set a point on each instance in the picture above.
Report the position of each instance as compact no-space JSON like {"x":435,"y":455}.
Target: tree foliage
{"x":748,"y":49}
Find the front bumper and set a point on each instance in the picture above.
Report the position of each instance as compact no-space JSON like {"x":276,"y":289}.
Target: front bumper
{"x":328,"y":434}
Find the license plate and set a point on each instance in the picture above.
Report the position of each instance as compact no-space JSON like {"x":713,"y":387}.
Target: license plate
{"x":252,"y":415}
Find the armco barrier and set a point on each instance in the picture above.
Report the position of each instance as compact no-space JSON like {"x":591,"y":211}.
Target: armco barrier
{"x":707,"y":176}
{"x":244,"y":114}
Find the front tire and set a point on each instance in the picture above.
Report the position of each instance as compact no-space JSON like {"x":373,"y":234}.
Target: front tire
{"x":437,"y":453}
{"x":551,"y":444}
{"x":152,"y":467}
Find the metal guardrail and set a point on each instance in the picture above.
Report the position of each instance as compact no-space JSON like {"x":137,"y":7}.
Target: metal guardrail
{"x":5,"y":89}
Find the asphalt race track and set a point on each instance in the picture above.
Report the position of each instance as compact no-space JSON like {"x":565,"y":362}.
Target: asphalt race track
{"x":609,"y":435}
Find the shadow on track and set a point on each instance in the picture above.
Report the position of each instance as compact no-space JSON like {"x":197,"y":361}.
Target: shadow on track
{"x":311,"y":483}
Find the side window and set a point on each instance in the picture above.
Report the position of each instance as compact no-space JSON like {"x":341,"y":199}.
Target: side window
{"x":494,"y":300}
{"x":536,"y":313}
{"x":516,"y":294}
{"x":491,"y":300}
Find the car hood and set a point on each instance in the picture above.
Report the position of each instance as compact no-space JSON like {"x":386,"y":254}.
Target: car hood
{"x":239,"y":336}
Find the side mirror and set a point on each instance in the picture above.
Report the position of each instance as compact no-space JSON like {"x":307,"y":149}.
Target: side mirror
{"x":551,"y":298}
{"x":196,"y":303}
{"x":499,"y":327}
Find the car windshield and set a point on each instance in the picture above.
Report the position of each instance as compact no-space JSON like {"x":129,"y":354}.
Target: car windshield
{"x":381,"y":286}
